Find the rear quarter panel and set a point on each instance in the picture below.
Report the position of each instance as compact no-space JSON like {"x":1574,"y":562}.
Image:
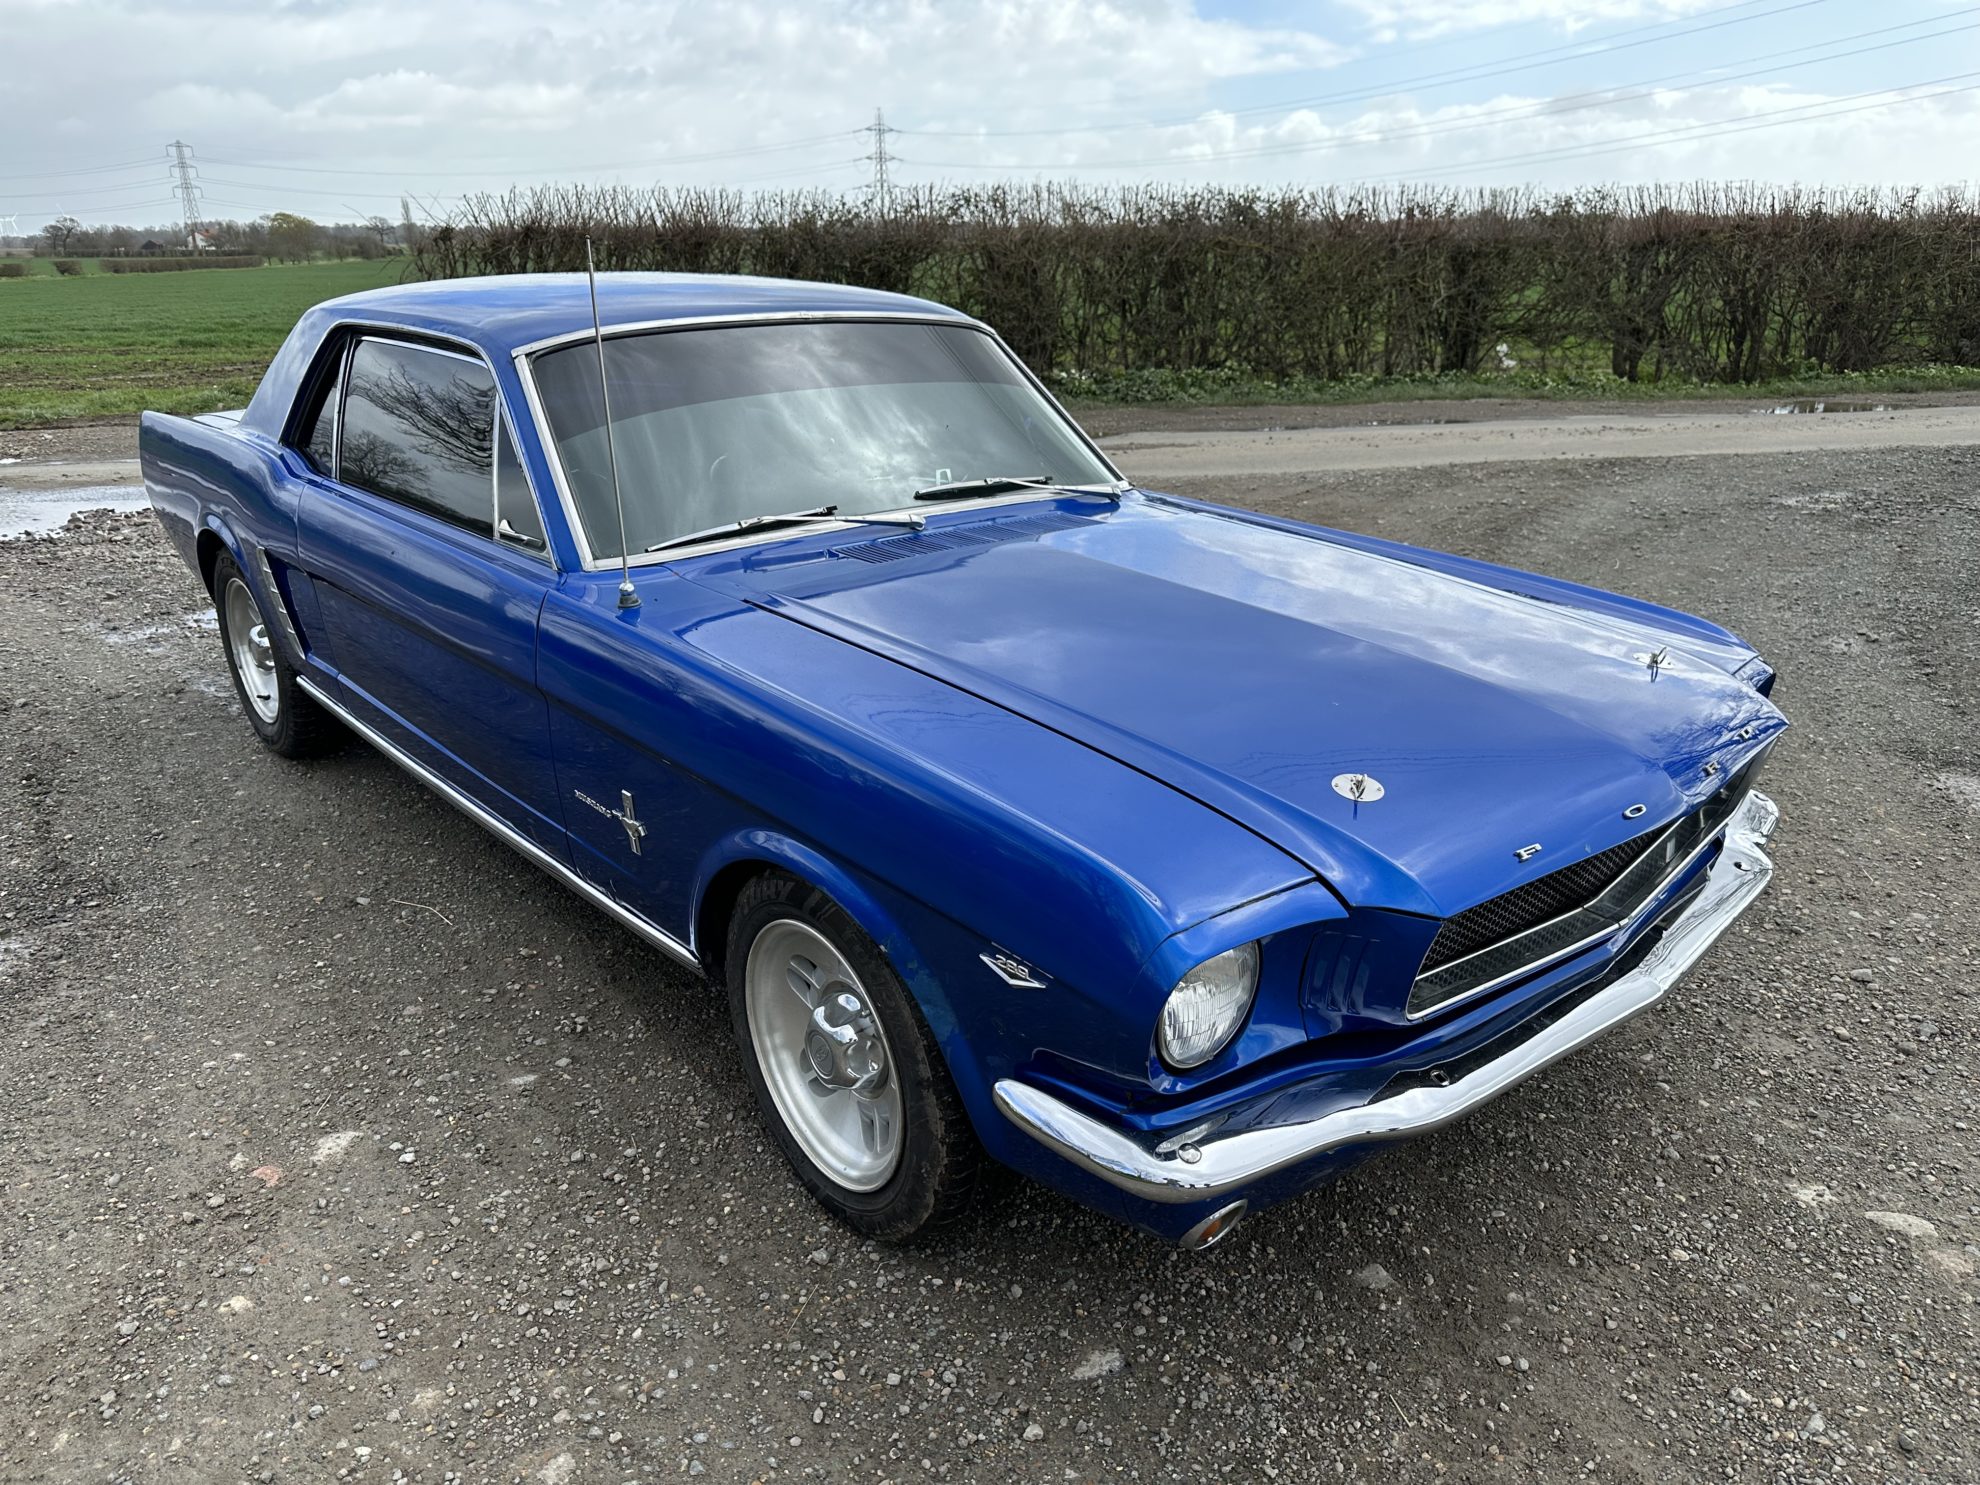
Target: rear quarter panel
{"x":220,"y":487}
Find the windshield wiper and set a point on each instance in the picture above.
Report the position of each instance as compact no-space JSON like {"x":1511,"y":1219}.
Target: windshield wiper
{"x":990,"y":485}
{"x":824,"y":513}
{"x":997,"y":483}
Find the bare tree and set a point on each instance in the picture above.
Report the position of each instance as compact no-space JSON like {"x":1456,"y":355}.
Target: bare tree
{"x":60,"y":233}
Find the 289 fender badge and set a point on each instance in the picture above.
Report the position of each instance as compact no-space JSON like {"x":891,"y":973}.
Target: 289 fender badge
{"x":1362,"y":788}
{"x":1013,"y":971}
{"x":1527,"y":853}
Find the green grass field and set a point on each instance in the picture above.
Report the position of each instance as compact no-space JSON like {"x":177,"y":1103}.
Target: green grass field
{"x":109,"y":344}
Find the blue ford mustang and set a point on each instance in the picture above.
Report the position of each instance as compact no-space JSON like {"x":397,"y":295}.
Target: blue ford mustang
{"x":1175,"y":855}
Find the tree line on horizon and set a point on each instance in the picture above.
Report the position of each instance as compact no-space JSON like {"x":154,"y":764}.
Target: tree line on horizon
{"x":283,"y":236}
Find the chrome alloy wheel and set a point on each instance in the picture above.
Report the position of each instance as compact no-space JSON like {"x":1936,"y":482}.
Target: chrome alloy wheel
{"x":249,"y":648}
{"x":824,"y":1054}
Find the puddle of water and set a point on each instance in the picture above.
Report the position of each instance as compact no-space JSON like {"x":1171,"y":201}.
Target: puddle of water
{"x":1785,"y":409}
{"x":25,"y":511}
{"x":155,"y":637}
{"x":1815,"y":500}
{"x":13,"y":951}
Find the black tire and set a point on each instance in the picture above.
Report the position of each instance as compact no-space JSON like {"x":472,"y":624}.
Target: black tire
{"x":939,"y":1160}
{"x":299,"y":727}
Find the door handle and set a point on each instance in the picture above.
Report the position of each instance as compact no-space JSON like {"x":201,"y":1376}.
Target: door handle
{"x":521,"y":538}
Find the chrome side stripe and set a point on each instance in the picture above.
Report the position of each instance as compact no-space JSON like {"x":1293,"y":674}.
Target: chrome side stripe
{"x":504,"y":832}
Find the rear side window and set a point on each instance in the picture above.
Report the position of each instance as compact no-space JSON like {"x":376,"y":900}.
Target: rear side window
{"x":317,"y":437}
{"x":419,"y":428}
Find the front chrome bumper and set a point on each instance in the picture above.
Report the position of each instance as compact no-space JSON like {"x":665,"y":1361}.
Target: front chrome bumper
{"x":1214,"y":1165}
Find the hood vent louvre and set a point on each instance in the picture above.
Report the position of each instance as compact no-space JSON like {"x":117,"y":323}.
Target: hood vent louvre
{"x":948,"y":538}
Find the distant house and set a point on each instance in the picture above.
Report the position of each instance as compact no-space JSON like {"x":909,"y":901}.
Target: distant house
{"x":152,"y":245}
{"x":202,"y":241}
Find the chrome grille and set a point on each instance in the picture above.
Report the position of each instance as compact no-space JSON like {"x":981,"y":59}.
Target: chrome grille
{"x":1523,"y":930}
{"x":1534,"y":903}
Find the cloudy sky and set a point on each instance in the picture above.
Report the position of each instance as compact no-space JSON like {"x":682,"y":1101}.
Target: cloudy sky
{"x":335,"y":108}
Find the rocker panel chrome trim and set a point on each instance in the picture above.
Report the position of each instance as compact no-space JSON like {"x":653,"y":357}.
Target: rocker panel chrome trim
{"x":502,"y":831}
{"x":1213,"y":1167}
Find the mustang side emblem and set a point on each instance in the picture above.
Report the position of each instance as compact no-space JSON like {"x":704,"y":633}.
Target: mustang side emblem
{"x":1362,"y":788}
{"x":1527,"y":853}
{"x":625,"y":815}
{"x":1656,"y":660}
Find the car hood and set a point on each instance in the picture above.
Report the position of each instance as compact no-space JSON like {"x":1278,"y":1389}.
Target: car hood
{"x":1248,"y":665}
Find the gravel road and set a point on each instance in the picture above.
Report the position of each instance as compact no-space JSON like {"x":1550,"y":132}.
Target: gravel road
{"x":1223,"y":453}
{"x":340,"y":1144}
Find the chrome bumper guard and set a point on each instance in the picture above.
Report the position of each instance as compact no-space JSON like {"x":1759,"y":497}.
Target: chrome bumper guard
{"x":1212,"y":1166}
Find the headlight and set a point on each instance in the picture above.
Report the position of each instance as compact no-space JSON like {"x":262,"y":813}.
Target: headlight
{"x":1207,"y":1006}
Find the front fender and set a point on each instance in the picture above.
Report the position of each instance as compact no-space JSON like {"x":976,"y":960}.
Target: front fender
{"x":884,"y":914}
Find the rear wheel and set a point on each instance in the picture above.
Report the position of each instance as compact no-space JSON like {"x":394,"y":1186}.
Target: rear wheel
{"x":284,"y":716}
{"x":845,"y":1071}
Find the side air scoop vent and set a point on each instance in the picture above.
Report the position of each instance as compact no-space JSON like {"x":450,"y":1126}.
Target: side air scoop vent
{"x":951,"y":538}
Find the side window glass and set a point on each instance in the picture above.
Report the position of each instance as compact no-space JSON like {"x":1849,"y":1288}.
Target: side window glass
{"x":317,"y":437}
{"x":418,"y":428}
{"x":516,"y":518}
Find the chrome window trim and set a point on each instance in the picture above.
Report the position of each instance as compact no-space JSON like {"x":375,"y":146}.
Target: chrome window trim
{"x":747,"y":317}
{"x":440,"y":344}
{"x":524,"y":357}
{"x":406,"y":341}
{"x":333,"y":403}
{"x":1623,"y":929}
{"x":505,"y":424}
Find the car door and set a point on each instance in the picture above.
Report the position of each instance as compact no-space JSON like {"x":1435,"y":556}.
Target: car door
{"x":426,"y":550}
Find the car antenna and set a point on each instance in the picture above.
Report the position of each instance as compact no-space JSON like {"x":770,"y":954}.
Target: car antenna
{"x":628,"y":596}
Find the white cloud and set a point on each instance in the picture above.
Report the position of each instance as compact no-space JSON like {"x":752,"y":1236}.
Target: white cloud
{"x":1418,"y":19}
{"x":444,"y":97}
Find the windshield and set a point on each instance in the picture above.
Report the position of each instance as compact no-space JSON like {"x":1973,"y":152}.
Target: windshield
{"x":715,"y":425}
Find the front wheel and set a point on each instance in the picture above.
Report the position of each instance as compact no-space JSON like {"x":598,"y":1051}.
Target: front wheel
{"x":284,"y":716}
{"x":846,"y":1073}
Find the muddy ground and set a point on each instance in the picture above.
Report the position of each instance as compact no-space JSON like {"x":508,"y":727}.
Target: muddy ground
{"x":339,"y":1143}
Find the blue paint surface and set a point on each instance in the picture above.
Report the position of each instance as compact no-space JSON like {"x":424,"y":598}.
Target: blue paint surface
{"x":1099,"y":735}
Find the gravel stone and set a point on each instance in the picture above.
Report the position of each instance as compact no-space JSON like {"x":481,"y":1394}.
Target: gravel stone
{"x":235,"y":957}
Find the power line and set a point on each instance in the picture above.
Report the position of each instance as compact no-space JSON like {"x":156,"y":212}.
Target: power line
{"x":1567,"y":103}
{"x":120,"y":188}
{"x":703,"y":157}
{"x":803,"y":170}
{"x":1711,"y":128}
{"x":1480,"y":72}
{"x":84,"y":170}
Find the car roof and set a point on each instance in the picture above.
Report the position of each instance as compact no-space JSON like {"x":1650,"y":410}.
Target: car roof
{"x":503,"y":313}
